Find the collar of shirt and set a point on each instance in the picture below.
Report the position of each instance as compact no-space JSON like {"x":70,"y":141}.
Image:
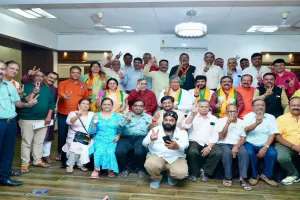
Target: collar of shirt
{"x":208,"y":116}
{"x":4,"y":82}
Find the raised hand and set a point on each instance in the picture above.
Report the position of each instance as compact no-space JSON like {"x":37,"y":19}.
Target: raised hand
{"x":237,"y":57}
{"x":121,"y":75}
{"x":138,"y":87}
{"x":269,"y":91}
{"x":292,"y":82}
{"x":129,"y":115}
{"x":154,"y":135}
{"x":196,"y":91}
{"x":33,"y":71}
{"x":20,"y":90}
{"x":96,"y":119}
{"x":118,"y":56}
{"x":229,"y":120}
{"x":156,"y":116}
{"x":79,"y":112}
{"x":167,"y":91}
{"x":37,"y":88}
{"x":259,"y":77}
{"x":67,"y":95}
{"x":229,"y":72}
{"x":219,"y":104}
{"x":259,"y":117}
{"x":206,"y":68}
{"x":271,"y":67}
{"x":195,"y":109}
{"x":33,"y":100}
{"x":109,"y":56}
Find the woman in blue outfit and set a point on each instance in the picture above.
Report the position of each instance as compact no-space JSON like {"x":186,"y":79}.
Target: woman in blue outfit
{"x":104,"y":126}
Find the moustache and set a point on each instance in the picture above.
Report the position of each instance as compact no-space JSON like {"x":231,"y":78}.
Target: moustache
{"x":226,"y":85}
{"x":295,"y":109}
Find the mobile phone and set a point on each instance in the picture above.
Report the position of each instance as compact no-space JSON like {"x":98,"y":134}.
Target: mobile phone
{"x":167,"y":138}
{"x":287,"y":81}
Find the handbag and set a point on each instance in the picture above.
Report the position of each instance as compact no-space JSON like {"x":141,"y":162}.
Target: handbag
{"x":81,"y":137}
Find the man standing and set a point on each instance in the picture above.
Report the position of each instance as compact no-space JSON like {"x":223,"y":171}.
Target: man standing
{"x":160,"y":79}
{"x":113,"y":69}
{"x":49,"y":81}
{"x":244,"y":63}
{"x":185,"y":71}
{"x":288,"y":146}
{"x":201,"y":91}
{"x":232,"y":139}
{"x":261,"y":129}
{"x":224,"y":96}
{"x":256,"y":70}
{"x":142,"y":93}
{"x":212,"y":72}
{"x":129,"y":80}
{"x":284,"y":79}
{"x":275,"y":97}
{"x":219,"y":62}
{"x":12,"y":71}
{"x":183,"y":99}
{"x":166,"y":144}
{"x":234,"y":72}
{"x":247,"y":92}
{"x":127,"y":58}
{"x":33,"y":138}
{"x":203,"y":154}
{"x":153,"y":67}
{"x":134,"y":128}
{"x":167,"y":104}
{"x":70,"y":92}
{"x":9,"y":100}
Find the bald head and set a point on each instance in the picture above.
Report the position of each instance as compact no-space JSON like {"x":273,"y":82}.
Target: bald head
{"x":116,"y":64}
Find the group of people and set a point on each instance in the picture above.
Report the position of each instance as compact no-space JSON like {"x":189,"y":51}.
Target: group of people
{"x":141,"y":118}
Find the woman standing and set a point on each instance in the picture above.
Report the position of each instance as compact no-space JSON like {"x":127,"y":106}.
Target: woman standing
{"x":104,"y":126}
{"x":77,"y":152}
{"x":95,"y":81}
{"x":119,"y":98}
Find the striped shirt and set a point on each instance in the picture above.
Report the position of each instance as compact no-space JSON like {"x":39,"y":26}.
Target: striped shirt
{"x":9,"y":96}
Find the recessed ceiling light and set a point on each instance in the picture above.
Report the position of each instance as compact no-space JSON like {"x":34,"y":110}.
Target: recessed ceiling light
{"x":125,"y":27}
{"x":43,"y":13}
{"x":22,"y":13}
{"x":33,"y":13}
{"x":119,"y":30}
{"x":265,"y":29}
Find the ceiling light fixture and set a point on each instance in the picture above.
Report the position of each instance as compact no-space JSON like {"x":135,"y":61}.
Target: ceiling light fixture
{"x":264,"y":29}
{"x":22,"y":13}
{"x":191,"y":29}
{"x":33,"y":13}
{"x":43,"y":13}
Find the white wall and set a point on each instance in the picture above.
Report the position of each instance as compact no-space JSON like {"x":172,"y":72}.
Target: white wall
{"x":20,"y":30}
{"x":224,"y":46}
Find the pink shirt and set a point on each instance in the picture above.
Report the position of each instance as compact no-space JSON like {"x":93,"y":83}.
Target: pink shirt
{"x":285,"y":79}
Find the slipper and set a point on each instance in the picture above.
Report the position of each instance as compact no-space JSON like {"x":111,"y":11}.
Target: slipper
{"x":227,"y":183}
{"x":24,"y":169}
{"x":42,"y":164}
{"x":95,"y":174}
{"x":245,"y":185}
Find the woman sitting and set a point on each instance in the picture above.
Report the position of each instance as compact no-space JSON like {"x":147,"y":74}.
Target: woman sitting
{"x":77,"y":152}
{"x":119,"y":98}
{"x":104,"y":126}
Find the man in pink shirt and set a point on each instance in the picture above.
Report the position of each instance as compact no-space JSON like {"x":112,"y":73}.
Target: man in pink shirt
{"x":284,"y":79}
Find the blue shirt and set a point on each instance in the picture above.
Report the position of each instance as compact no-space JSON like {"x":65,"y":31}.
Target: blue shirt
{"x":260,"y":135}
{"x":130,"y":79}
{"x":236,"y":76}
{"x":135,"y":127}
{"x":8,"y":97}
{"x":125,"y":68}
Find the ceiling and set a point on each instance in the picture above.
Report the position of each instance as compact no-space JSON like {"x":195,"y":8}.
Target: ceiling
{"x":221,"y":17}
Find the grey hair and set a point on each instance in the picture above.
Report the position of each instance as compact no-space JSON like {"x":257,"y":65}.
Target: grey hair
{"x":174,"y":78}
{"x":234,"y":59}
{"x":203,"y":101}
{"x":141,"y":79}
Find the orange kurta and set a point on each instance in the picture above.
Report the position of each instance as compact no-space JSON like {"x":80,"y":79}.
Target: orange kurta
{"x":79,"y":90}
{"x":247,"y":94}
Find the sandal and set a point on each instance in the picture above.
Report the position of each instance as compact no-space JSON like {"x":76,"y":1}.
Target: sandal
{"x":83,"y":168}
{"x":42,"y":164}
{"x":111,"y":174}
{"x":227,"y":183}
{"x":245,"y":185}
{"x":24,"y":169}
{"x":95,"y":174}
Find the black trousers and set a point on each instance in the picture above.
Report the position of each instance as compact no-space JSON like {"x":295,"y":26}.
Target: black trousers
{"x":8,"y":133}
{"x":62,"y":136}
{"x":131,"y":153}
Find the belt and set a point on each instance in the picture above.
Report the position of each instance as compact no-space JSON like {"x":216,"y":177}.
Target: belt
{"x":8,"y":120}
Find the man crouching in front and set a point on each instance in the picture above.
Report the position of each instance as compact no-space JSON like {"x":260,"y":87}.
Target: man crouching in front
{"x":166,"y":145}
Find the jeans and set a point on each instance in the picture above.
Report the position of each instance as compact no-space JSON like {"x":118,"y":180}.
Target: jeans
{"x":227,"y":160}
{"x":131,"y":148}
{"x":269,"y":160}
{"x":8,"y":133}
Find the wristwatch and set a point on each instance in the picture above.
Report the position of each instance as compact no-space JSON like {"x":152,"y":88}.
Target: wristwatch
{"x":267,"y":146}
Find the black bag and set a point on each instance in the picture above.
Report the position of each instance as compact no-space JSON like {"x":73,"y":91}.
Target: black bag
{"x":81,"y":137}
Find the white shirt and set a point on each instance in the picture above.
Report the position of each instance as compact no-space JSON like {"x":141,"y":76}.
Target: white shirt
{"x":254,"y":73}
{"x":213,"y":75}
{"x":186,"y":102}
{"x":114,"y":74}
{"x":234,"y":132}
{"x":158,"y":147}
{"x":202,"y":130}
{"x":192,"y":92}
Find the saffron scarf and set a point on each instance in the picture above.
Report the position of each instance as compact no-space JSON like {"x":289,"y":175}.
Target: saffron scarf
{"x":97,"y":82}
{"x":203,"y":95}
{"x":225,"y":100}
{"x":183,"y":74}
{"x":177,"y":96}
{"x":118,"y":103}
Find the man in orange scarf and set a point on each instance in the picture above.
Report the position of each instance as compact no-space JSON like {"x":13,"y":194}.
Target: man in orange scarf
{"x":201,"y":91}
{"x":224,"y":96}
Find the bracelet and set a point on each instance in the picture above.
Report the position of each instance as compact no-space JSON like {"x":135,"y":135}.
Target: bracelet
{"x":154,"y":121}
{"x":209,"y":148}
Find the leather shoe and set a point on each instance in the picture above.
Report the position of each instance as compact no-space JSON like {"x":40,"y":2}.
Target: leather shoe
{"x":16,"y":173}
{"x":11,"y":183}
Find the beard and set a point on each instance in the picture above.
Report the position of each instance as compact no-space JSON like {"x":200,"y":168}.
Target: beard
{"x":169,"y":127}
